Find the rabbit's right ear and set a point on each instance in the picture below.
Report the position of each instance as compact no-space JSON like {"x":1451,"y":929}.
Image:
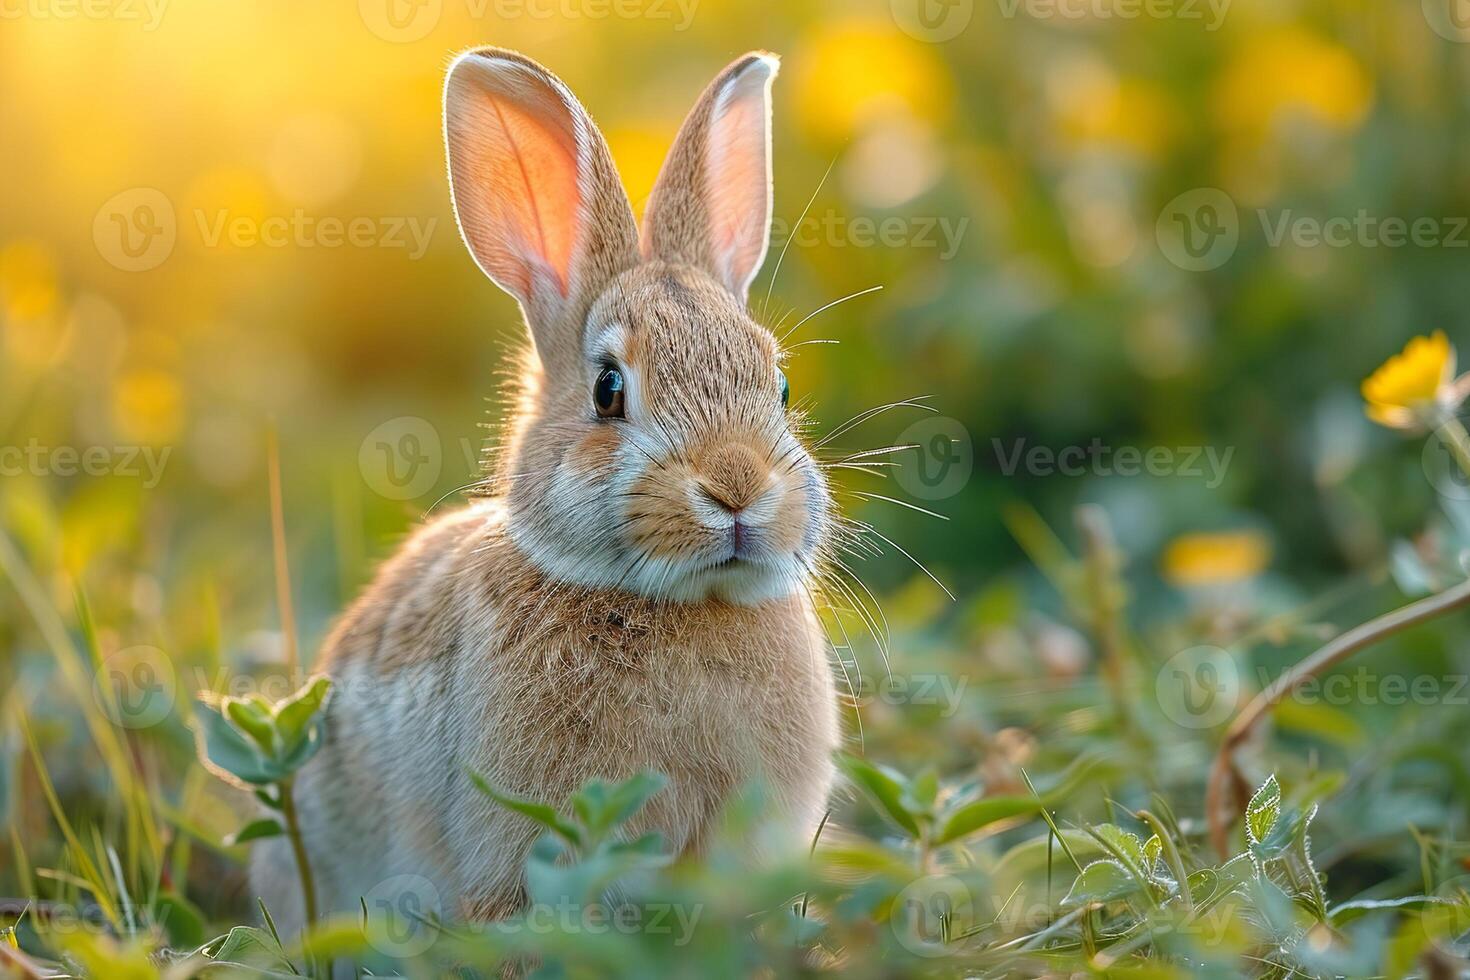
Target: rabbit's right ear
{"x":535,"y":192}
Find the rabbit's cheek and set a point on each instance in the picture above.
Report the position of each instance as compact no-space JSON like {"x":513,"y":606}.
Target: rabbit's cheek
{"x":595,"y":454}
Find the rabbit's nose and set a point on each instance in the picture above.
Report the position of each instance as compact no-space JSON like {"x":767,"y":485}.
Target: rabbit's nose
{"x":734,"y":477}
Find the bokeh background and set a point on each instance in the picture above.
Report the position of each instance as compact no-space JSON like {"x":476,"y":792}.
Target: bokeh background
{"x":227,"y":222}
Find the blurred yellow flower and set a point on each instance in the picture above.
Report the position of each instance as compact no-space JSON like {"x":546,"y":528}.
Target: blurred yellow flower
{"x":1091,"y":105}
{"x":1289,"y":70}
{"x":1215,"y":558}
{"x":854,"y":71}
{"x":27,"y":280}
{"x":148,"y":406}
{"x":1416,"y":389}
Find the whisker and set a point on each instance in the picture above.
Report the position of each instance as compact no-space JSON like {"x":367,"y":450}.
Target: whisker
{"x":823,"y":309}
{"x":771,"y":286}
{"x":917,"y":564}
{"x":894,"y":500}
{"x":876,"y":452}
{"x":861,"y":417}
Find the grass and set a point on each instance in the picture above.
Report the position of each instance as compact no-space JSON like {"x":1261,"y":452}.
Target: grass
{"x":1050,"y":822}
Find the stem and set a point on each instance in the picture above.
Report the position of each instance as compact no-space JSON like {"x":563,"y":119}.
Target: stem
{"x":298,"y":847}
{"x":1102,"y":564}
{"x":1452,"y":433}
{"x":1171,"y":855}
{"x":1336,"y":650}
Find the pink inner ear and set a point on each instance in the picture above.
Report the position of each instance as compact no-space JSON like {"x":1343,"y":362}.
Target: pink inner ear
{"x":527,"y":188}
{"x":737,"y":186}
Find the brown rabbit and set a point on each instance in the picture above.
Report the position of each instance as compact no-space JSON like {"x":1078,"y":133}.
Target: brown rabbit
{"x":638,"y":594}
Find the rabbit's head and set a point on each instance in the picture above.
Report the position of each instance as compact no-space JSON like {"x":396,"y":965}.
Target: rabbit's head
{"x":652,"y":449}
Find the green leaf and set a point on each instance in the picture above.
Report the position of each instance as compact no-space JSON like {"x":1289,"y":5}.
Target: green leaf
{"x":1100,"y":881}
{"x":301,"y":714}
{"x":182,"y":922}
{"x":1125,"y":846}
{"x":1153,"y":848}
{"x":541,"y":813}
{"x":226,"y":752}
{"x":255,"y":830}
{"x":921,"y":792}
{"x":1262,"y":811}
{"x":984,"y":812}
{"x":249,"y":946}
{"x":884,"y":788}
{"x":601,"y":807}
{"x":254,"y":719}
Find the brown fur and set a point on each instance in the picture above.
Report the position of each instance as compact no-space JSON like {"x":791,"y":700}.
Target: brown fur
{"x":633,"y":598}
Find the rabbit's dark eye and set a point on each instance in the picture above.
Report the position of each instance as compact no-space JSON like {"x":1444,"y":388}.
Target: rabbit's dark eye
{"x":785,"y":388}
{"x":607,"y":394}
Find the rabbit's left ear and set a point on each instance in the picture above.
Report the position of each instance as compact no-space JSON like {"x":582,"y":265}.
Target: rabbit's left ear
{"x":711,"y":204}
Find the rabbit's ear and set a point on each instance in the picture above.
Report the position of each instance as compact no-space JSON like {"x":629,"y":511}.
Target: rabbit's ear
{"x":711,"y":204}
{"x":535,"y":192}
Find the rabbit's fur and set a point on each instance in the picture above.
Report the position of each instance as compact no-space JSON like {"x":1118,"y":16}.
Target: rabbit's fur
{"x":638,"y":593}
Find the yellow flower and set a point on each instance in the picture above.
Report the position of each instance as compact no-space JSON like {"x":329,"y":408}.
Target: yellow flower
{"x":1288,"y":72}
{"x":1215,"y":559}
{"x":1416,"y":389}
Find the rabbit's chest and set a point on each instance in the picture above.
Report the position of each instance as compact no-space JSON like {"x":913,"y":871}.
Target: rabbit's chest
{"x":713,"y":711}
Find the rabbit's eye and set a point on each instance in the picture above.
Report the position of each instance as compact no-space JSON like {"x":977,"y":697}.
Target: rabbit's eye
{"x":785,"y":388}
{"x":607,"y":394}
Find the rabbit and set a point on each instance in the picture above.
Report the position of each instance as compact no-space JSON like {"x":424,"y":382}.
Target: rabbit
{"x":639,"y":592}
